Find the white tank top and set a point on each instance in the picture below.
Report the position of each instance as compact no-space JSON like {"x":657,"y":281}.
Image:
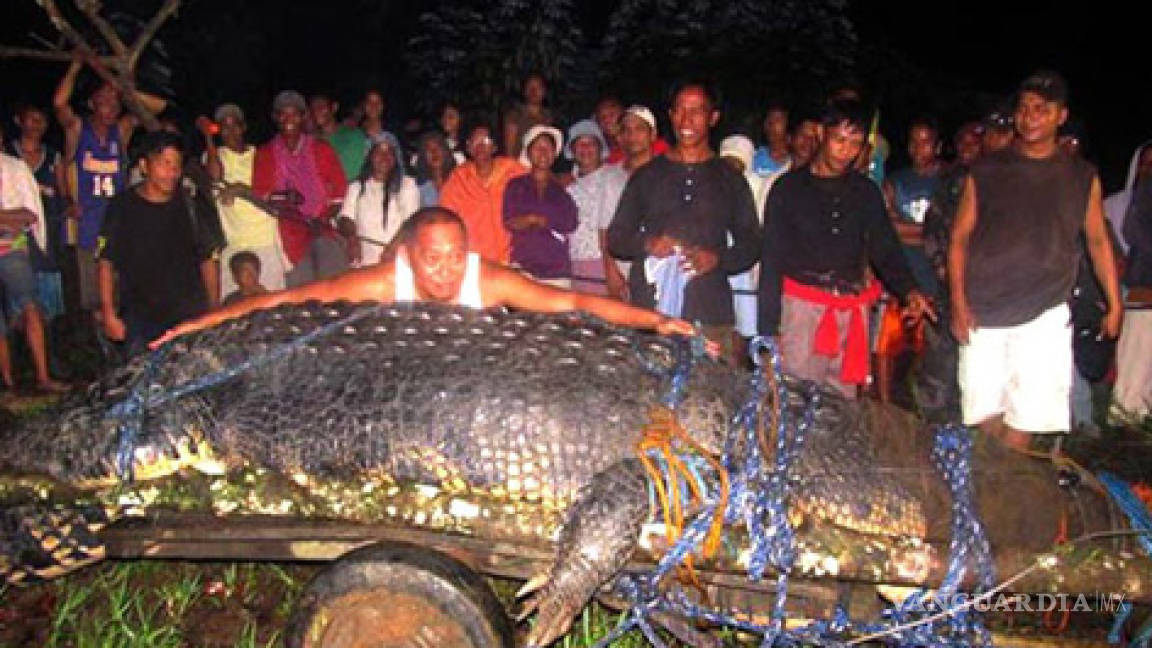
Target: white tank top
{"x":469,"y":294}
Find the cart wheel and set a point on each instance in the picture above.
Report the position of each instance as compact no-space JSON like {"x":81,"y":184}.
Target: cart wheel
{"x":398,"y":595}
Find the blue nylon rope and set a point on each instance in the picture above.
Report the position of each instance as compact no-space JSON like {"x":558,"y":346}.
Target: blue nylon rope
{"x":760,"y":496}
{"x":130,"y":411}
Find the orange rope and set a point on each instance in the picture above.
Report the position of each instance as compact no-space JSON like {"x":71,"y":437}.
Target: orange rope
{"x":663,"y":434}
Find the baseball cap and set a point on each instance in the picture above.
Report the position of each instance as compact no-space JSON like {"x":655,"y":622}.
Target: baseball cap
{"x":223,"y":111}
{"x":289,"y":99}
{"x":643,"y":113}
{"x":1047,"y":84}
{"x":739,"y":147}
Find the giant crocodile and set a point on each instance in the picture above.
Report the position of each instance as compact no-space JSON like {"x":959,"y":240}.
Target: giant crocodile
{"x":535,"y":410}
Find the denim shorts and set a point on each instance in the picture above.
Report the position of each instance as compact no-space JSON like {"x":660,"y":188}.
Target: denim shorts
{"x":18,"y":283}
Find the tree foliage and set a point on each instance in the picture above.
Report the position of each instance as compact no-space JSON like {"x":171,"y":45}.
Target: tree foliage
{"x":754,"y":49}
{"x":478,"y":53}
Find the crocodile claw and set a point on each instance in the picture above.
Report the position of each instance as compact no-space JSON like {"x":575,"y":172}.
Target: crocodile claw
{"x":554,"y":619}
{"x":597,"y":539}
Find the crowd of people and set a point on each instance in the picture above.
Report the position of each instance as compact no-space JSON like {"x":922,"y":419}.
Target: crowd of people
{"x":979,"y":266}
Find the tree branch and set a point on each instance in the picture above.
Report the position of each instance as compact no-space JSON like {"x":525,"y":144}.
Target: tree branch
{"x":126,"y":84}
{"x":62,"y":24}
{"x":91,"y":9}
{"x":42,"y":55}
{"x":164,"y":13}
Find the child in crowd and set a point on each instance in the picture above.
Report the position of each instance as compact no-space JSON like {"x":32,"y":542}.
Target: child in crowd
{"x":245,"y":267}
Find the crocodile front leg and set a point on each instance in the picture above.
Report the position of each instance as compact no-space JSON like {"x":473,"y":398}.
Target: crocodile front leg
{"x":599,"y":536}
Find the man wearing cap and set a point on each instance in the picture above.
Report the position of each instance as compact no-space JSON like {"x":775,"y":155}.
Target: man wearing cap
{"x":539,"y":212}
{"x":824,"y":226}
{"x":688,"y":220}
{"x":638,"y":132}
{"x":609,"y":117}
{"x":1012,"y":263}
{"x":246,"y":227}
{"x":587,"y":148}
{"x":305,"y":174}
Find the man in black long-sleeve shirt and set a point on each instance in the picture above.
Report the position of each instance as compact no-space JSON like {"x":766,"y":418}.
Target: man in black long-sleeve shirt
{"x":824,"y":225}
{"x":691,"y":202}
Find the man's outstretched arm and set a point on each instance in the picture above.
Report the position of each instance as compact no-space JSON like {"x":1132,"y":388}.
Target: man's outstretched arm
{"x":506,"y":287}
{"x":373,"y":283}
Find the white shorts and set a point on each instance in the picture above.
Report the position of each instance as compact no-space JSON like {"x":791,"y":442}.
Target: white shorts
{"x":1022,"y":372}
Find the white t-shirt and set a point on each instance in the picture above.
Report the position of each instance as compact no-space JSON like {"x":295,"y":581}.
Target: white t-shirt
{"x":364,"y":204}
{"x":587,"y":192}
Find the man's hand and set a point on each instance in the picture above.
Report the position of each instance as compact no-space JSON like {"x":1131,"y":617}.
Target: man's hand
{"x":700,"y":260}
{"x":617,"y":285}
{"x":231,"y":191}
{"x":672,"y":326}
{"x":114,"y":327}
{"x":660,"y":246}
{"x":962,"y":321}
{"x":1110,"y":326}
{"x":918,"y":306}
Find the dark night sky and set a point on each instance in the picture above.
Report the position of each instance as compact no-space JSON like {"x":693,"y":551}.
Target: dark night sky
{"x":976,"y":47}
{"x":991,"y":45}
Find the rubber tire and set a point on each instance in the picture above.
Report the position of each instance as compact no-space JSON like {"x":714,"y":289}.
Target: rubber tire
{"x":447,"y":602}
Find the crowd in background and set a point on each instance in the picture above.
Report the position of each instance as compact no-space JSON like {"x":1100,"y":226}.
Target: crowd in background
{"x":799,"y":231}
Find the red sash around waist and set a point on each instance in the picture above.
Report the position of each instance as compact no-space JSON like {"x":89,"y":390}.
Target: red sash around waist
{"x":826,"y":341}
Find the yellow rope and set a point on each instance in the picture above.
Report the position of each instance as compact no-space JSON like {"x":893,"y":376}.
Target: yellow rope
{"x":663,"y":434}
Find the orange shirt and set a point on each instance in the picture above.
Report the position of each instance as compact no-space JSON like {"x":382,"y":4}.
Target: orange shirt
{"x":480,"y":204}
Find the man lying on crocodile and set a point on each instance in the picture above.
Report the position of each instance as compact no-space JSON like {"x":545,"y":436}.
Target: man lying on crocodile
{"x":433,"y":264}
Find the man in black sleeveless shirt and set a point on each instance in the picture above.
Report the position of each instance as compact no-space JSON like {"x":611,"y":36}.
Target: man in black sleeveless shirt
{"x":1012,"y":264}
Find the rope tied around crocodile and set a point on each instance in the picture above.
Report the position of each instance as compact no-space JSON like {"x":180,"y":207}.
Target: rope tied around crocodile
{"x":760,"y":497}
{"x":665,"y":437}
{"x":143,"y":395}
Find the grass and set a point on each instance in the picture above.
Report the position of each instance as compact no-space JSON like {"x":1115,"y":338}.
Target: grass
{"x":162,"y":604}
{"x":154,"y":604}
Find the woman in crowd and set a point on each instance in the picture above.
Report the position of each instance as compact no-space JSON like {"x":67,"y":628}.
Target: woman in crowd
{"x":379,"y":201}
{"x":450,"y":121}
{"x":246,"y":227}
{"x":434,"y":161}
{"x":587,"y":149}
{"x":539,"y":212}
{"x":475,"y":191}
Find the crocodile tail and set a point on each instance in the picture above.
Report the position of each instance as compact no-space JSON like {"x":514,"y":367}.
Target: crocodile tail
{"x":45,"y":542}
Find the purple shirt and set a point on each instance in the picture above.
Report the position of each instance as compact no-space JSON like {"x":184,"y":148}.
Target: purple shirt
{"x":542,"y":252}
